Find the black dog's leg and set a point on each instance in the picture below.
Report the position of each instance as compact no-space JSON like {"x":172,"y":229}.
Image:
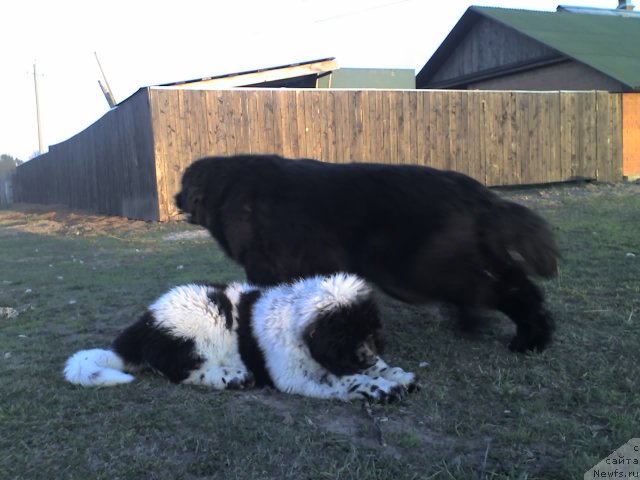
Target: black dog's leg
{"x":260,"y":271}
{"x":469,"y":321}
{"x":522,"y":301}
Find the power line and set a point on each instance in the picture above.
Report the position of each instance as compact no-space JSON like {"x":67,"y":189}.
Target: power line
{"x":359,"y":11}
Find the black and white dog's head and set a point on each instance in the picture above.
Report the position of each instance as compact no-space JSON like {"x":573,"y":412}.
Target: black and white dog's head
{"x":346,"y":341}
{"x":345,"y":335}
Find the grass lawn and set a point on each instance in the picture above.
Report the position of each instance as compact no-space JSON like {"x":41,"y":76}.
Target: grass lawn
{"x":70,"y":281}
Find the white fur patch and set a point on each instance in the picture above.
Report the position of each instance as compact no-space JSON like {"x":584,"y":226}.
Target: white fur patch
{"x":95,"y":368}
{"x":187,"y":312}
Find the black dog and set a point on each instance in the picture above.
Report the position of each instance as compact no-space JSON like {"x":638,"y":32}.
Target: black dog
{"x":419,"y":233}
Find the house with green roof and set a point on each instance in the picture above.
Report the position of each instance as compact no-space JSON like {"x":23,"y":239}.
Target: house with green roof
{"x":572,"y":48}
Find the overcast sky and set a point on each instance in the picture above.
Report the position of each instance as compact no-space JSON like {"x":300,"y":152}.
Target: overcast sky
{"x":148,"y":42}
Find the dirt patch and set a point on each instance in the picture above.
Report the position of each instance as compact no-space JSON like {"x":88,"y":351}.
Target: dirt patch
{"x":60,"y":220}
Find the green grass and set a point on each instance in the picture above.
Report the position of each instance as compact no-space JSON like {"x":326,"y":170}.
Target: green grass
{"x":483,"y":412}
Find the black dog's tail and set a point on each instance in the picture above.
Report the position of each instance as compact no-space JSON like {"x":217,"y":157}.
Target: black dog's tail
{"x":517,"y":235}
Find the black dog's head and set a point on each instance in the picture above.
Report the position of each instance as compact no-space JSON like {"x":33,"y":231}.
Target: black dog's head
{"x":191,"y":198}
{"x":347,"y":340}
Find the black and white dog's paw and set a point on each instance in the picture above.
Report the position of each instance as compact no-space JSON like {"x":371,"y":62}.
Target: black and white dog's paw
{"x":381,"y":390}
{"x":408,"y":380}
{"x":241,"y":381}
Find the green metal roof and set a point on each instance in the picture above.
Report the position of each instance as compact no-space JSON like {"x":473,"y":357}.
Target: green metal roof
{"x":607,"y":43}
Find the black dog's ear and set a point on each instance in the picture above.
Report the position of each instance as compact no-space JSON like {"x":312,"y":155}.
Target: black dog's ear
{"x":195,"y":198}
{"x":195,"y":206}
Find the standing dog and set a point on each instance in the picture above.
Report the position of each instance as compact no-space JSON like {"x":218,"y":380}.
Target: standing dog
{"x":319,"y":337}
{"x":419,"y":233}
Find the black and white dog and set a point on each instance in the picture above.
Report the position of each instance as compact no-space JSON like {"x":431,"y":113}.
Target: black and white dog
{"x":420,"y":234}
{"x":320,"y":337}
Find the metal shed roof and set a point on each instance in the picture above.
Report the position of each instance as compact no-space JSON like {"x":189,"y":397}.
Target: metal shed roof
{"x":263,"y":75}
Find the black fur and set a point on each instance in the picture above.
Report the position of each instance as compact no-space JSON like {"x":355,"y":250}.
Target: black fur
{"x":251,"y":354}
{"x":146,"y":345}
{"x":336,"y":338}
{"x":420,"y":234}
{"x":219,"y":298}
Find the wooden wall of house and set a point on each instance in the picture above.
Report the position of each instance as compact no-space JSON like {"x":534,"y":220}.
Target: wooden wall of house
{"x":567,"y":75}
{"x":499,"y":138}
{"x":107,"y":168}
{"x":483,"y":51}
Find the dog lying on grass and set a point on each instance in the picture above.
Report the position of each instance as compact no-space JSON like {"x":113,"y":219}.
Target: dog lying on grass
{"x":420,"y":234}
{"x":320,"y":337}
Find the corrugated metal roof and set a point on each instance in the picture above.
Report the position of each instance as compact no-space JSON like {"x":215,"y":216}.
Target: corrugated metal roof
{"x":607,"y":43}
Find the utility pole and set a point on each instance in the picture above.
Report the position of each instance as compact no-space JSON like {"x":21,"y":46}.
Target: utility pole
{"x":35,"y":84}
{"x":106,"y":89}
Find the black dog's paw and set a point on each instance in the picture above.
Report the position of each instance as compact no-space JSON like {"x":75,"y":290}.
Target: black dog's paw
{"x":518,"y":344}
{"x":414,"y":387}
{"x":522,"y":344}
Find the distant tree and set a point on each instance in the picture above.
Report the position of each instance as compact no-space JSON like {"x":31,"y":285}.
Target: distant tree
{"x":8,"y":166}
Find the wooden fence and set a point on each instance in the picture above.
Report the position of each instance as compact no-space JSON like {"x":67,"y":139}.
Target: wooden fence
{"x":107,"y":168}
{"x":131,"y":161}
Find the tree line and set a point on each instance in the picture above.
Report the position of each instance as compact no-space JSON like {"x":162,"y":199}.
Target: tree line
{"x":8,"y":166}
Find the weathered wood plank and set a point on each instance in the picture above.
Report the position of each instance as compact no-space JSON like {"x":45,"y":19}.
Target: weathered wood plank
{"x":439,"y":131}
{"x":588,"y":140}
{"x":376,"y":114}
{"x":296,"y":144}
{"x":329,"y":136}
{"x":355,"y":114}
{"x":609,"y":137}
{"x":244,"y":139}
{"x":266,"y":126}
{"x":492,"y":145}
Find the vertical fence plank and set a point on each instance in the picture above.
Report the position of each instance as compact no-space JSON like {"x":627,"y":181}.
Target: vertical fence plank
{"x":437,"y":152}
{"x":588,"y":146}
